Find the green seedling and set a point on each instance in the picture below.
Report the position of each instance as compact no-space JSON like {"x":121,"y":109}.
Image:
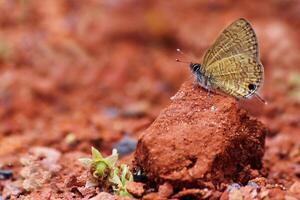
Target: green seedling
{"x":105,"y":171}
{"x":120,"y":177}
{"x":100,"y":167}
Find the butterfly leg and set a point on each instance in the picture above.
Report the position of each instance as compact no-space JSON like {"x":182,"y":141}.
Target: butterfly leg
{"x":260,"y":99}
{"x":208,"y":93}
{"x":196,"y":85}
{"x":208,"y":88}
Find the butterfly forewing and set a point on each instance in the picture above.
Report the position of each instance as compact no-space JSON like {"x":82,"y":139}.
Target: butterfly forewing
{"x":232,"y":63}
{"x":237,"y":38}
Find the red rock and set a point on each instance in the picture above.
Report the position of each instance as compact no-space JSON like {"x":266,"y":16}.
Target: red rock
{"x":276,"y":193}
{"x":225,"y":196}
{"x":248,"y":192}
{"x":235,"y":195}
{"x":135,"y":188}
{"x":288,"y":197}
{"x":12,"y":189}
{"x":295,"y":189}
{"x":264,"y":194}
{"x":39,"y":167}
{"x":87,"y":192}
{"x":260,"y":181}
{"x":152,"y":196}
{"x":203,"y":193}
{"x":104,"y":196}
{"x":198,"y":139}
{"x":165,"y":190}
{"x":72,"y":181}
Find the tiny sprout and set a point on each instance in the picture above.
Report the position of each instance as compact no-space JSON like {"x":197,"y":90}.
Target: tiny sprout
{"x":99,"y":165}
{"x":120,"y":177}
{"x":104,"y":170}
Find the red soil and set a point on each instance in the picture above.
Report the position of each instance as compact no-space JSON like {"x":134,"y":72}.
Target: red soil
{"x":76,"y":74}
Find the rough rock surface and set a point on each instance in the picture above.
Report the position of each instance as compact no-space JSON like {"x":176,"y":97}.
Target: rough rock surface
{"x":135,"y":188}
{"x":201,"y":140}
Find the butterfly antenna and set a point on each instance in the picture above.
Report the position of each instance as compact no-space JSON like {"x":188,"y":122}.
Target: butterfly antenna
{"x":177,"y":60}
{"x":260,"y":99}
{"x":184,"y":55}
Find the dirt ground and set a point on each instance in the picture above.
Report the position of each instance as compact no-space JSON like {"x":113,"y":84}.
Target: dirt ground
{"x":76,"y":74}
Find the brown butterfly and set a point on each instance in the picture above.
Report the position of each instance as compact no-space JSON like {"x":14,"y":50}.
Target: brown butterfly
{"x":232,"y":65}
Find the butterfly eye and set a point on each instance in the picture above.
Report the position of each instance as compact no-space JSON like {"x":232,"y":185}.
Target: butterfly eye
{"x":195,"y":67}
{"x":251,"y":86}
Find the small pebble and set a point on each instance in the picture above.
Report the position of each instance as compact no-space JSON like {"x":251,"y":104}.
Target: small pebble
{"x":253,"y":185}
{"x":136,"y":189}
{"x":235,"y":194}
{"x":213,"y":108}
{"x":233,"y":186}
{"x":165,"y":190}
{"x":12,"y":189}
{"x":111,"y":112}
{"x":70,"y":139}
{"x":295,"y":188}
{"x":125,"y":146}
{"x":5,"y":174}
{"x":103,"y":196}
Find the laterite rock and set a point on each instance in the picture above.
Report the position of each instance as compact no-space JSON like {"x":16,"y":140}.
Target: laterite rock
{"x":201,"y":141}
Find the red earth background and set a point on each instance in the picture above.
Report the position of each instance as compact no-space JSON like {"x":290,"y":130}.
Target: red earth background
{"x":102,"y":69}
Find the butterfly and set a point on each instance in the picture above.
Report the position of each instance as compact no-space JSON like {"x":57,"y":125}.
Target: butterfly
{"x":232,"y":65}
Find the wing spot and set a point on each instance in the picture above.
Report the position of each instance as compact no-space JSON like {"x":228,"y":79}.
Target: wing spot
{"x":251,"y":86}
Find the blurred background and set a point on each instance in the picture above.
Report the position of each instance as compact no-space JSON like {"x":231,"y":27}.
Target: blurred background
{"x":79,"y":73}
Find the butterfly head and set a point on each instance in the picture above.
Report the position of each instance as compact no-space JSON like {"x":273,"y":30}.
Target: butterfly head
{"x":195,"y":67}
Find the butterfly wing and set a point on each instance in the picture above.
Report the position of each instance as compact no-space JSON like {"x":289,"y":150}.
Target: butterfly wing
{"x":233,"y":60}
{"x":238,"y":75}
{"x":237,"y":38}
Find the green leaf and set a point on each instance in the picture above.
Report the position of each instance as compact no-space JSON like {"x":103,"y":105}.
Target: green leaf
{"x":124,"y":194}
{"x":86,"y":162}
{"x":96,"y":155}
{"x":115,"y":178}
{"x":130,"y":179}
{"x":106,"y":170}
{"x":126,"y":174}
{"x":101,"y":169}
{"x":124,"y":170}
{"x":112,"y":159}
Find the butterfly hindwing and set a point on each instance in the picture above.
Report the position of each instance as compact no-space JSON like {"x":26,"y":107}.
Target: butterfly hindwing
{"x":238,"y":75}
